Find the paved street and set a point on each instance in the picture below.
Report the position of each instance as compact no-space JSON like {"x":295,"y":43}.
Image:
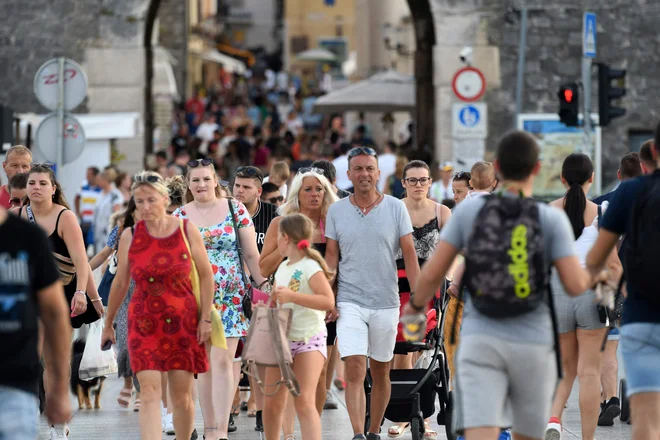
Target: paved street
{"x":113,"y":423}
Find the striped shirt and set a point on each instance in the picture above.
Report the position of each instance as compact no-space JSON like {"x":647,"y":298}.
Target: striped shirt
{"x":265,"y":214}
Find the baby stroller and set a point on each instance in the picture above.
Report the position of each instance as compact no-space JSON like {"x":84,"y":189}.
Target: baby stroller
{"x":414,"y":391}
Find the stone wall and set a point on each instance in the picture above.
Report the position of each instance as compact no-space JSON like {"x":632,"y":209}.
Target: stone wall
{"x":172,"y":30}
{"x":627,"y":38}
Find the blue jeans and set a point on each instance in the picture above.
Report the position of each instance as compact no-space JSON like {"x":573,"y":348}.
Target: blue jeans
{"x":19,"y":414}
{"x":640,"y":347}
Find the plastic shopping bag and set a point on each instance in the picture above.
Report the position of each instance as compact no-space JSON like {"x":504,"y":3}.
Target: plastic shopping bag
{"x":96,"y":362}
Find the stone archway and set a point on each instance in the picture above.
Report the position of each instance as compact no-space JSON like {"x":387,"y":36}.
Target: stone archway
{"x":150,"y":19}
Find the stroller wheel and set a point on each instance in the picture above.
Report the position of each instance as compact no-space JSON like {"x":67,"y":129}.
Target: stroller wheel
{"x":447,"y":417}
{"x":417,"y":428}
{"x":625,"y":403}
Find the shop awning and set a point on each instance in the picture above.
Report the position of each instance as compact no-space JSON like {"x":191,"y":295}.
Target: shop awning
{"x":230,"y":64}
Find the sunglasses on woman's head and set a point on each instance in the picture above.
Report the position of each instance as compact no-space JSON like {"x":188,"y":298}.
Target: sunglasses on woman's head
{"x":358,"y":151}
{"x":204,"y":162}
{"x":460,"y":175}
{"x":150,"y":179}
{"x":311,"y":170}
{"x":42,"y":165}
{"x":223,"y":183}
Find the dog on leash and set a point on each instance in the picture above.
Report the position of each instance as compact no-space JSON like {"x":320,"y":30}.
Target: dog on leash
{"x":83,"y":389}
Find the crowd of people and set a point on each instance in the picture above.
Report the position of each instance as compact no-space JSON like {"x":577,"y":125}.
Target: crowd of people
{"x":332,"y":228}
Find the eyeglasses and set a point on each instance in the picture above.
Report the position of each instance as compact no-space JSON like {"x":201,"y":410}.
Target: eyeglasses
{"x":276,"y":200}
{"x":423,"y":181}
{"x":304,"y":170}
{"x":248,"y":171}
{"x":204,"y":162}
{"x":359,"y":151}
{"x":150,"y":178}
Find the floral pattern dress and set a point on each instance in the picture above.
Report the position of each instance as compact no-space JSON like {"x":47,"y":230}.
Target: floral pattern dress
{"x":220,"y":242}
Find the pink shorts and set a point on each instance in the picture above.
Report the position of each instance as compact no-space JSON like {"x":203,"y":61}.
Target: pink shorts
{"x":318,"y":342}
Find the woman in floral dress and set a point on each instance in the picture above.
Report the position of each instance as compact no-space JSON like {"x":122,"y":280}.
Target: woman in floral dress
{"x":211,"y":213}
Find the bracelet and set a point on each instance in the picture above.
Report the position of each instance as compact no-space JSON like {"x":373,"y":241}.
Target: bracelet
{"x":80,"y":291}
{"x":206,"y":320}
{"x":97,"y":300}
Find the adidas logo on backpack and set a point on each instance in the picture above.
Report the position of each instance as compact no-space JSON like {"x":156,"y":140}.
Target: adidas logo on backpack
{"x":505,"y":269}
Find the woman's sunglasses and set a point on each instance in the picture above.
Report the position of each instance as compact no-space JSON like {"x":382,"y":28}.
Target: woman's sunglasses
{"x":304,"y":170}
{"x":204,"y":162}
{"x":275,"y":200}
{"x":461,"y":175}
{"x":42,"y":165}
{"x":151,"y":179}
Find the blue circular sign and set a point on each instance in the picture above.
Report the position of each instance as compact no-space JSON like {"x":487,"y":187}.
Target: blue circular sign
{"x":469,"y":116}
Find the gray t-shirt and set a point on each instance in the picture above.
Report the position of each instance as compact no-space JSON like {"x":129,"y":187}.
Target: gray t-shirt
{"x":534,"y":327}
{"x":368,"y":246}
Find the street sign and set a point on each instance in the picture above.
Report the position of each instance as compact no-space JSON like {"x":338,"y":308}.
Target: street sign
{"x":589,"y":35}
{"x":469,"y":121}
{"x":74,"y":138}
{"x":47,"y":89}
{"x":469,"y":84}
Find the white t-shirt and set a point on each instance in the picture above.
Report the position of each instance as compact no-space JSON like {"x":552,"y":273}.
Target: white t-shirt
{"x":440,"y":192}
{"x":305,"y":322}
{"x":387,"y":165}
{"x":341,"y":165}
{"x":283,"y":189}
{"x":89,"y":195}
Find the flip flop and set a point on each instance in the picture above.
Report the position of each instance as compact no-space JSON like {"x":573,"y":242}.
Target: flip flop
{"x":428,"y":432}
{"x":136,"y":405}
{"x":396,"y":431}
{"x":235,"y":410}
{"x":124,"y":398}
{"x":252,"y":412}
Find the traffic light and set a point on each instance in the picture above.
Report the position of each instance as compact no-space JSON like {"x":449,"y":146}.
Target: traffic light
{"x":569,"y":104}
{"x":608,"y":92}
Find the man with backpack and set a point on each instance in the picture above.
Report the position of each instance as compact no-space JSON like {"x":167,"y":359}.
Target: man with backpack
{"x":634,"y":211}
{"x":506,"y":366}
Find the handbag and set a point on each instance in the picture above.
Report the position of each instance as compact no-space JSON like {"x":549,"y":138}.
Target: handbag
{"x":267,"y":345}
{"x":217,"y":327}
{"x":251,"y":294}
{"x":106,"y":280}
{"x":96,"y":362}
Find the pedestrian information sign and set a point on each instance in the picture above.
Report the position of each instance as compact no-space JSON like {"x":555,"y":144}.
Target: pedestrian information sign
{"x":589,"y":35}
{"x":469,"y":121}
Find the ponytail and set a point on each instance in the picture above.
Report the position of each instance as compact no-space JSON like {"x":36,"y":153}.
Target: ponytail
{"x":316,"y":256}
{"x":575,"y":202}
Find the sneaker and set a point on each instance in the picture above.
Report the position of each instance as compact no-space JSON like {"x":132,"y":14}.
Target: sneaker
{"x":259,"y":425}
{"x":232,"y":426}
{"x":59,"y":432}
{"x":553,"y":430}
{"x":169,"y":425}
{"x":609,"y":411}
{"x":193,"y":436}
{"x":330,"y":402}
{"x":359,"y":437}
{"x":505,"y":435}
{"x":372,"y":436}
{"x":163,"y":418}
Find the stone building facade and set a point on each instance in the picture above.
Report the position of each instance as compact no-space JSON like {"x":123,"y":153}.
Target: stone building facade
{"x":627,"y":38}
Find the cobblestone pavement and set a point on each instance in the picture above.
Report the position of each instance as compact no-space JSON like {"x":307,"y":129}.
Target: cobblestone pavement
{"x":114,"y":423}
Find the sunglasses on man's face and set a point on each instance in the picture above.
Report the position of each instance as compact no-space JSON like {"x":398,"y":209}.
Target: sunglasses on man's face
{"x":359,"y":151}
{"x":276,"y":200}
{"x":304,"y":170}
{"x":197,"y":162}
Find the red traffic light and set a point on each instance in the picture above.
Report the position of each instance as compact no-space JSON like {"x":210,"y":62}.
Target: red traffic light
{"x":568,"y":95}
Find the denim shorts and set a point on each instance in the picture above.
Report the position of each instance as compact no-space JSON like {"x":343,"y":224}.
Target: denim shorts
{"x":640,"y":348}
{"x":19,"y":414}
{"x":614,"y":334}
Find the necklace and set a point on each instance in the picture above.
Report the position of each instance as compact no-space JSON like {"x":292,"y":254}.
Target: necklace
{"x":204,"y":214}
{"x":364,"y":209}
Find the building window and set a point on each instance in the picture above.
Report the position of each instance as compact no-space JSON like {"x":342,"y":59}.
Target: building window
{"x":637,"y":137}
{"x":299,"y":44}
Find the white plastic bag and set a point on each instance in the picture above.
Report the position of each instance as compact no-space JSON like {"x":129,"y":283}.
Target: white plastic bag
{"x":96,"y":362}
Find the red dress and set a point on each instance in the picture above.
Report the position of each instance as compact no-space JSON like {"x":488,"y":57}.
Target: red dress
{"x":162,"y":315}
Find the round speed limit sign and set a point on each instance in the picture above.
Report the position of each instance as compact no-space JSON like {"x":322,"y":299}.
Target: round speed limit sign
{"x":469,"y":84}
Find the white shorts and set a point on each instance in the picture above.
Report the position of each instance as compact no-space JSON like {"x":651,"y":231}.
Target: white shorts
{"x":366,"y":332}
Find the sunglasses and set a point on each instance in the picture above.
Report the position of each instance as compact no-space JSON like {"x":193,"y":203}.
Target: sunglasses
{"x":151,"y":179}
{"x":461,"y":175}
{"x":276,"y":200}
{"x":42,"y":165}
{"x":223,"y":183}
{"x":412,"y":181}
{"x":176,"y":200}
{"x":311,"y":170}
{"x":359,"y":151}
{"x":15,"y":202}
{"x":204,"y":162}
{"x":248,"y":171}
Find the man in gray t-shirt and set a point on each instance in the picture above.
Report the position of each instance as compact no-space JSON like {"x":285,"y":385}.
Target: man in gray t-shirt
{"x":368,"y":228}
{"x":505,"y":368}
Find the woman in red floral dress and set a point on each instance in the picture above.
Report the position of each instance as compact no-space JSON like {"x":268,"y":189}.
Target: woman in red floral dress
{"x":164,"y":331}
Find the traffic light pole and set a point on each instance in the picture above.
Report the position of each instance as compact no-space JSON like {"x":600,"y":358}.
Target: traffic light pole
{"x":586,"y":110}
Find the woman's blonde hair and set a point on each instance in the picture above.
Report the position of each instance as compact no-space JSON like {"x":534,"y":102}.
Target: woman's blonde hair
{"x":298,"y":228}
{"x":176,"y":188}
{"x":292,"y":204}
{"x":189,"y":194}
{"x":151,"y":179}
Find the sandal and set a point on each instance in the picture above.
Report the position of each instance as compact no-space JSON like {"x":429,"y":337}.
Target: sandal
{"x":289,"y":437}
{"x":251,"y":412}
{"x":136,"y":405}
{"x":396,"y":431}
{"x":428,"y":432}
{"x":124,"y":398}
{"x":235,"y":410}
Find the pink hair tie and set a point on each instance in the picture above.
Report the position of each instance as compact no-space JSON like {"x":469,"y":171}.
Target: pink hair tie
{"x":303,"y":244}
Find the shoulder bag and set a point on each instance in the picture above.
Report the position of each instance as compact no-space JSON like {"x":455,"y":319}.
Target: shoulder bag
{"x":217,"y":328}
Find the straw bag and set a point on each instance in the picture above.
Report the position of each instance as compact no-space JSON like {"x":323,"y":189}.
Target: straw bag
{"x":267,"y":345}
{"x":217,"y":328}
